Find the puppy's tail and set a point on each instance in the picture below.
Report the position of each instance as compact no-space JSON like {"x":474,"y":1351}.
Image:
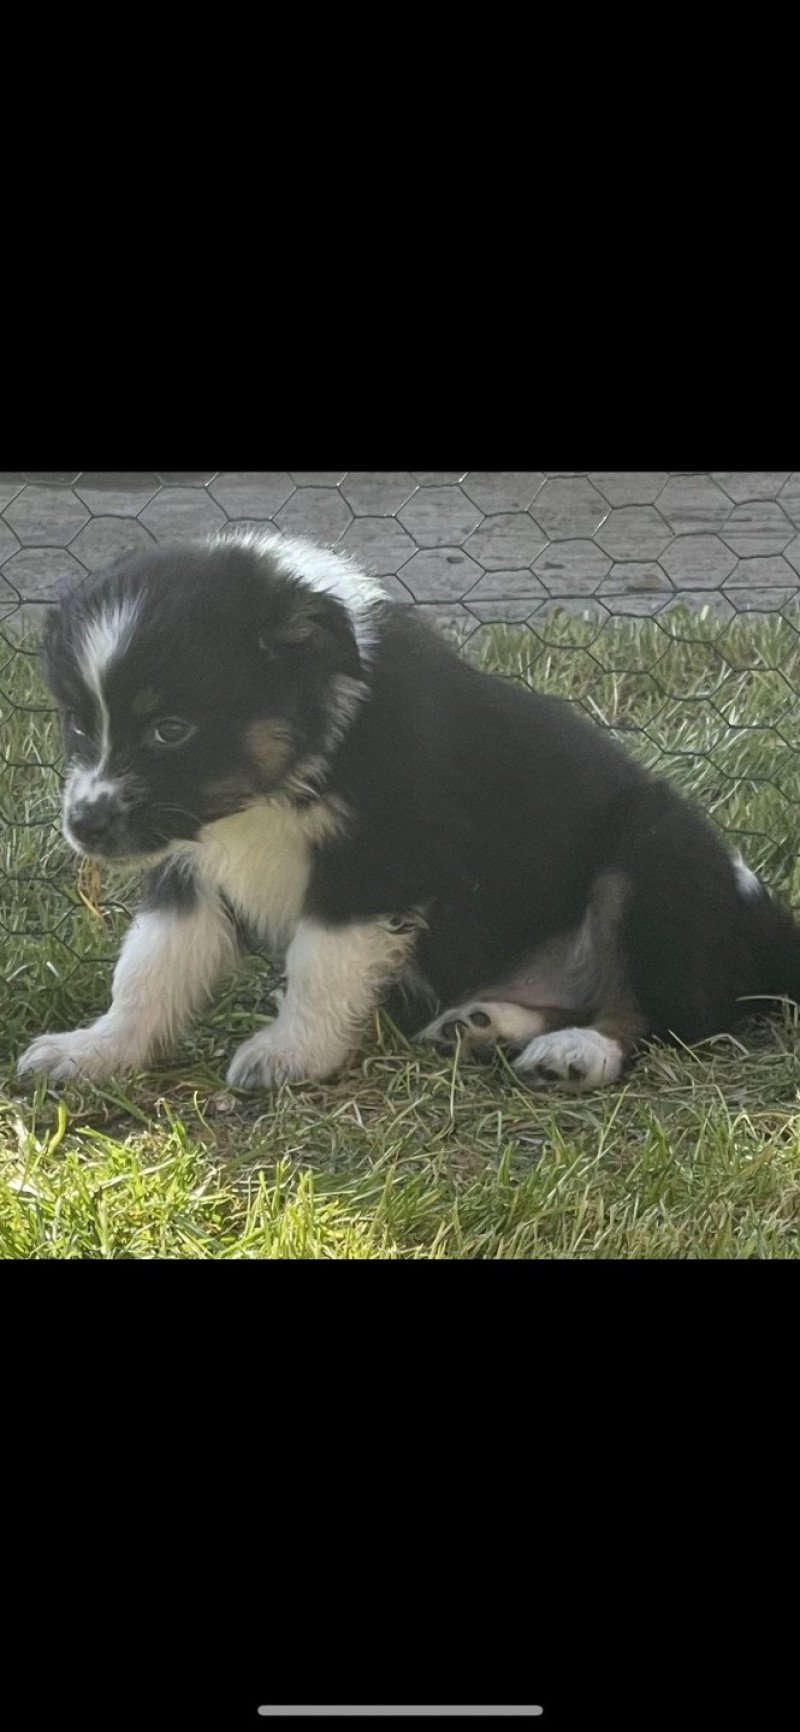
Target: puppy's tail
{"x":774,"y":950}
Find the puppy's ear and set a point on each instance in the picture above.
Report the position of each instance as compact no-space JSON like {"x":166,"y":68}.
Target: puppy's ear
{"x":311,"y":625}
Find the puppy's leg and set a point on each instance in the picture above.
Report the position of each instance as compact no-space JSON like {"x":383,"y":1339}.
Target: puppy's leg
{"x":175,"y":950}
{"x":594,"y":1056}
{"x":336,"y":975}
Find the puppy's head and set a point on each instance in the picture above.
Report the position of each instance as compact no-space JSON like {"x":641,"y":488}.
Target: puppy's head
{"x":191,"y":683}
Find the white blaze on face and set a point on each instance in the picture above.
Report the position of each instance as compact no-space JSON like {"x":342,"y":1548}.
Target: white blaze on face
{"x":105,"y":637}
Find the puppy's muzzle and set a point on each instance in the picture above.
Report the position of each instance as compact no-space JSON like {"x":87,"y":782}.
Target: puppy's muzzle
{"x":97,"y":824}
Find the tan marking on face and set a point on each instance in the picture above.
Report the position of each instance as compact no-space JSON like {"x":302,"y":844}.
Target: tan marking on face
{"x":269,"y":745}
{"x":230,"y":791}
{"x":146,"y":701}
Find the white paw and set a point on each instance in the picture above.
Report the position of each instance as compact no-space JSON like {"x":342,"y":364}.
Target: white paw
{"x":80,"y":1054}
{"x":484,"y":1024}
{"x":581,"y":1056}
{"x":272,"y":1057}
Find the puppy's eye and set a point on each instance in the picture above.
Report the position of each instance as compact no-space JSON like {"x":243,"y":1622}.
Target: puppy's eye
{"x":72,"y":723}
{"x":170,"y":731}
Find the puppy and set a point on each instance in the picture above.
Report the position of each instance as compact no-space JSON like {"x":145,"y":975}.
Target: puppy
{"x":287,"y":750}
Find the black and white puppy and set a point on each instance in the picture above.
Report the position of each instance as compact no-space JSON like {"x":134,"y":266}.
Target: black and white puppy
{"x":287,"y":749}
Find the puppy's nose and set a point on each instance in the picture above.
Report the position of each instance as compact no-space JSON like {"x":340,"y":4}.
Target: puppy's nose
{"x":93,"y":822}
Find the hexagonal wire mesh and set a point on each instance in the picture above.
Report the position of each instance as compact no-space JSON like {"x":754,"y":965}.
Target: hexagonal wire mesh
{"x":664,"y":605}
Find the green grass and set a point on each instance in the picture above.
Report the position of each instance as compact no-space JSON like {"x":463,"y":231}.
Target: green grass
{"x":407,"y":1156}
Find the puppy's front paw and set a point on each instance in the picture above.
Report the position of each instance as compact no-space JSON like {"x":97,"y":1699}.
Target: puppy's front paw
{"x":270,"y":1058}
{"x":80,"y":1054}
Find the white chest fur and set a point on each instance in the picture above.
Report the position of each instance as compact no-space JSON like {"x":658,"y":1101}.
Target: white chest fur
{"x":261,"y":860}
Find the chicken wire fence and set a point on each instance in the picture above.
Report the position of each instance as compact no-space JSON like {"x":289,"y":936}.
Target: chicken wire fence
{"x":665,"y":605}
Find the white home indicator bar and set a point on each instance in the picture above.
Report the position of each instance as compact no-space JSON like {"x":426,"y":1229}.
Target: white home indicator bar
{"x":342,"y":1713}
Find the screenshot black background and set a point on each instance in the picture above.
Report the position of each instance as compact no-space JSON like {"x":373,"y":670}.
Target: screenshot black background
{"x":279,"y":1497}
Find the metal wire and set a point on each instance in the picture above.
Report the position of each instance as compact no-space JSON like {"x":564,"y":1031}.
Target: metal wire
{"x":537,"y":572}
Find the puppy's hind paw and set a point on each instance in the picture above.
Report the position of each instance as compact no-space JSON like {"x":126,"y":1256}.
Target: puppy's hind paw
{"x":581,"y":1058}
{"x":480,"y":1026}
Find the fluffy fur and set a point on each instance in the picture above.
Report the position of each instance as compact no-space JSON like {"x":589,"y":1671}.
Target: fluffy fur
{"x":287,"y":749}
